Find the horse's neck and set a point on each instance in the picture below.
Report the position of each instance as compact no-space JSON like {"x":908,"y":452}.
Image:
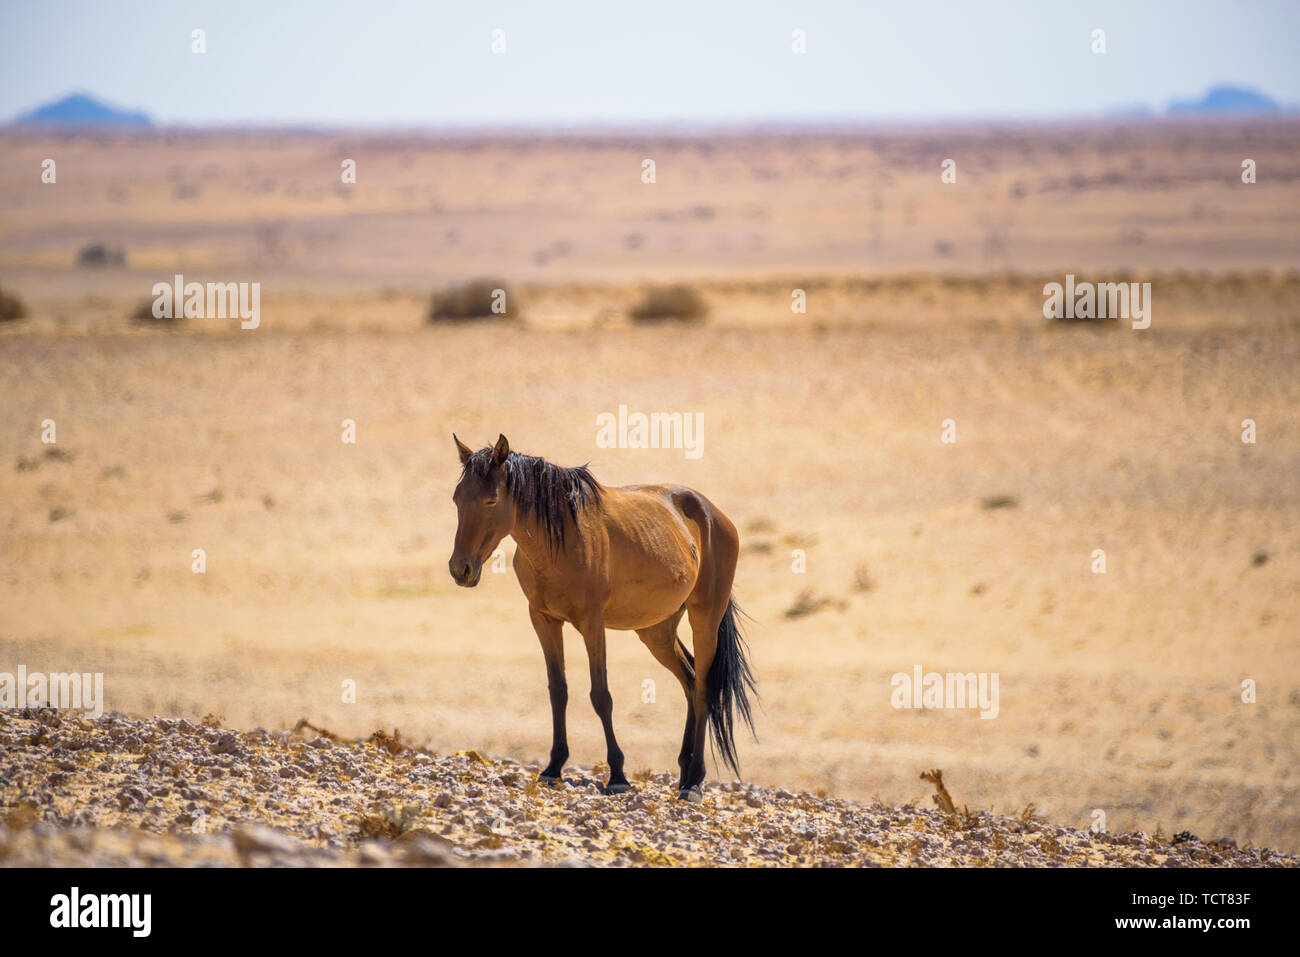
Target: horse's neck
{"x":530,"y":540}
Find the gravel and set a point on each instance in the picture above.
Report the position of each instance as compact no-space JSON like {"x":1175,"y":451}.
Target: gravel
{"x":124,"y":791}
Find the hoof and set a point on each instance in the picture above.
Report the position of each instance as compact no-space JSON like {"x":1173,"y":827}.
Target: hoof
{"x":549,"y":780}
{"x":692,"y":795}
{"x":620,"y":788}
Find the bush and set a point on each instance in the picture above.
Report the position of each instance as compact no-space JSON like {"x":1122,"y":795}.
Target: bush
{"x":144,"y":313}
{"x":11,"y":307}
{"x":678,"y":303}
{"x":474,"y":300}
{"x":101,"y":254}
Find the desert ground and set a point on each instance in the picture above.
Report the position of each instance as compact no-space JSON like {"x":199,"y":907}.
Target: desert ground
{"x":869,"y":545}
{"x":117,"y":791}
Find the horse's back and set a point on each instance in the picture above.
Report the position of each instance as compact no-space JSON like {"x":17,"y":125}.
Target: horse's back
{"x":657,"y":541}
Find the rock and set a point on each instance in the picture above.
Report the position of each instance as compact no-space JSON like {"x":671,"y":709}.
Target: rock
{"x":497,"y":854}
{"x":131,"y":796}
{"x":293,"y":803}
{"x":374,"y":854}
{"x":254,"y":838}
{"x":429,"y":851}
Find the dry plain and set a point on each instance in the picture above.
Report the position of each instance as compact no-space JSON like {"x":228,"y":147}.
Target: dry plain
{"x":326,"y":561}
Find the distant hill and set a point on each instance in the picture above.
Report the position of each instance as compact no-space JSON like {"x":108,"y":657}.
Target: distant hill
{"x":1225,"y":99}
{"x":81,"y":109}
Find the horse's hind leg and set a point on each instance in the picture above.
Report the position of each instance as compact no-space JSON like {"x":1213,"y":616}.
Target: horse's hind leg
{"x":662,"y":641}
{"x":705,"y":609}
{"x":705,"y":620}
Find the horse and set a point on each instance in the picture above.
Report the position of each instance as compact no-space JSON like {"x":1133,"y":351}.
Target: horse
{"x":635,"y":558}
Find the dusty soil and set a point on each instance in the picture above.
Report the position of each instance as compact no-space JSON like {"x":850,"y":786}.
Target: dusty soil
{"x":271,"y":206}
{"x":326,"y":562}
{"x":1121,"y":693}
{"x":119,"y":791}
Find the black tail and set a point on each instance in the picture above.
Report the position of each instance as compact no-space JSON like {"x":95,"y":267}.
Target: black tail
{"x":730,"y":682}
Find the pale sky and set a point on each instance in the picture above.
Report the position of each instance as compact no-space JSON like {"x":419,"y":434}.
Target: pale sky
{"x":430,"y":63}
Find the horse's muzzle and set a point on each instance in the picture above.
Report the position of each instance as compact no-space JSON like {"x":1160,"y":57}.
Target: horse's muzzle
{"x":465,"y":571}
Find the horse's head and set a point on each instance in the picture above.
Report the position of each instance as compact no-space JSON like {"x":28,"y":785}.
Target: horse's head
{"x":485,"y":510}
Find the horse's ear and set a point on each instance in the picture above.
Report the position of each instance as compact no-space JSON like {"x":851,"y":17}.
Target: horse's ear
{"x":464,"y":450}
{"x":500,"y":451}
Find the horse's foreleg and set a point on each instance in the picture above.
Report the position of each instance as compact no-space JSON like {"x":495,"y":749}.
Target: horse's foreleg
{"x":550,"y":634}
{"x":593,"y":634}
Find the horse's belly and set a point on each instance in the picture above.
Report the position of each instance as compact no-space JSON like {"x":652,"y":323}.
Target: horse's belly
{"x":645,"y":602}
{"x":654,"y":560}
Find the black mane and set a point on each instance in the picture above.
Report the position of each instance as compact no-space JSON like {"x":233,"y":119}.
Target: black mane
{"x":549,"y":492}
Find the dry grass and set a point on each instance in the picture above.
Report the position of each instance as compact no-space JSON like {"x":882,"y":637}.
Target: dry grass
{"x":11,"y":307}
{"x":941,"y":796}
{"x":943,"y":800}
{"x":473,"y":300}
{"x":387,"y":821}
{"x":993,"y":502}
{"x":144,"y":313}
{"x":392,"y":743}
{"x":809,"y":603}
{"x":100,"y":255}
{"x":676,"y":303}
{"x":21,"y":816}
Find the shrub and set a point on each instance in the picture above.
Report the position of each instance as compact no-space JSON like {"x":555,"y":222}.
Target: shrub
{"x":678,"y":303}
{"x":11,"y":307}
{"x":474,"y":300}
{"x":144,"y":313}
{"x":98,"y":255}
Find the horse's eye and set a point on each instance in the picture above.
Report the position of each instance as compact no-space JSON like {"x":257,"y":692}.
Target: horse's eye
{"x":490,"y":502}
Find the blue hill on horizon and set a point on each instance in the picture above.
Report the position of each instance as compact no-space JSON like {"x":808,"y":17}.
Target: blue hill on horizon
{"x":82,"y":109}
{"x":1225,"y":99}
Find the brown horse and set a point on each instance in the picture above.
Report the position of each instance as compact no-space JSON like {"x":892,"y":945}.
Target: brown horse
{"x":635,"y":558}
